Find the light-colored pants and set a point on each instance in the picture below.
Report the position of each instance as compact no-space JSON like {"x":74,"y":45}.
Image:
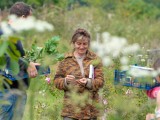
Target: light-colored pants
{"x":14,"y":108}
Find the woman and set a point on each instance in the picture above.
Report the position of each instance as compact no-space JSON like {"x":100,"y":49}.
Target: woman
{"x":73,"y":75}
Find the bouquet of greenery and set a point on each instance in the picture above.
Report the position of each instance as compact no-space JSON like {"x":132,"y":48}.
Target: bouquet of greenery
{"x":38,"y":54}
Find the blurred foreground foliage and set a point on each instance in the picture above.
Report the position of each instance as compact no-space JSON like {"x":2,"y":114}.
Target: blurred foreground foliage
{"x":6,"y":52}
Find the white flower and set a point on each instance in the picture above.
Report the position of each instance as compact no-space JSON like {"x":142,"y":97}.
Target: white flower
{"x":107,"y":61}
{"x":113,"y":47}
{"x":7,"y":31}
{"x":43,"y":105}
{"x":94,"y":46}
{"x":110,"y":15}
{"x":42,"y":25}
{"x":124,"y":60}
{"x":98,"y":48}
{"x":106,"y":36}
{"x":129,"y":92}
{"x":139,"y":55}
{"x":115,"y":53}
{"x":39,"y":48}
{"x":143,"y":60}
{"x":154,"y":73}
{"x":21,"y":24}
{"x":124,"y":67}
{"x":131,"y":49}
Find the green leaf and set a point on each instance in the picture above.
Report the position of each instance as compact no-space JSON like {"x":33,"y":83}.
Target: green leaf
{"x":13,"y":39}
{"x":95,"y":62}
{"x":14,"y":50}
{"x":51,"y":45}
{"x":2,"y":61}
{"x":12,"y":55}
{"x":3,"y":47}
{"x":14,"y":66}
{"x":59,"y":56}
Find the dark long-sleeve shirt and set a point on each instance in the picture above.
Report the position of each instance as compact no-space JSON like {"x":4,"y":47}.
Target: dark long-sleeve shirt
{"x":22,"y":66}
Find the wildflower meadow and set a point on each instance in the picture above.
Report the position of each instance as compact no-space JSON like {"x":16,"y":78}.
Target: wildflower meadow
{"x":124,"y":33}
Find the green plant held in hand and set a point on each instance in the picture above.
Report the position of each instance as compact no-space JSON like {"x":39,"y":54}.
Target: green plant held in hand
{"x":49,"y":49}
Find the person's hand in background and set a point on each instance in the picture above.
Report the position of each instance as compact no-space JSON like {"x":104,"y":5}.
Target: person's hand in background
{"x":31,"y":70}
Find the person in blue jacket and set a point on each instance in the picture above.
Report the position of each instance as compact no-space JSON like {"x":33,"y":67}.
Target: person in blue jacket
{"x":15,"y":91}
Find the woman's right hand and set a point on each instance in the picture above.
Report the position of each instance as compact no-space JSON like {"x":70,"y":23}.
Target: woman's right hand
{"x":70,"y":79}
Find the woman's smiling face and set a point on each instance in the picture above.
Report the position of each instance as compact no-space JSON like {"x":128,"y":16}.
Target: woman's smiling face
{"x":81,"y":46}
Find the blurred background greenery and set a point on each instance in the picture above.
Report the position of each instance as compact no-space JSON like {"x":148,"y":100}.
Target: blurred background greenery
{"x":136,"y":20}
